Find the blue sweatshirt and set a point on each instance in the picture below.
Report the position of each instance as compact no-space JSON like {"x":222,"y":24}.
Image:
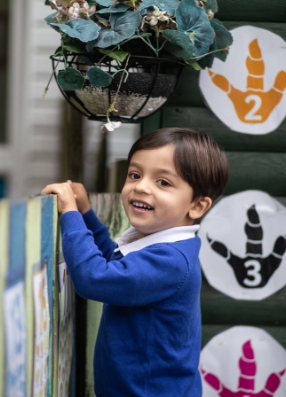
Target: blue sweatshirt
{"x":149,"y":338}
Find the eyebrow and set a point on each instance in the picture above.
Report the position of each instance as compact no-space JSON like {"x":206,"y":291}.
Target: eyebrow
{"x":159,"y":170}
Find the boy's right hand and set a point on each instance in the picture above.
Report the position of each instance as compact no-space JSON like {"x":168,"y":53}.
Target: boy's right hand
{"x":81,"y":196}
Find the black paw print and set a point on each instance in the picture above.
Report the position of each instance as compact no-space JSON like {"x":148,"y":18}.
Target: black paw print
{"x":253,"y":271}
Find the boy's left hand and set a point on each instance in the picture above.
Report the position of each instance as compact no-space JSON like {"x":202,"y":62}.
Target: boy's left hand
{"x":66,"y":198}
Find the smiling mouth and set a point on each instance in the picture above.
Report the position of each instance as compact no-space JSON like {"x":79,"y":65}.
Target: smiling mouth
{"x":141,"y":206}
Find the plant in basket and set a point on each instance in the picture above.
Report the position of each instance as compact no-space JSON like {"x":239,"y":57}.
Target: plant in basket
{"x":121,"y":59}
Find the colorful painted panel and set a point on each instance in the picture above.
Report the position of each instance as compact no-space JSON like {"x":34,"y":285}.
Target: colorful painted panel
{"x":28,"y":233}
{"x":66,"y":331}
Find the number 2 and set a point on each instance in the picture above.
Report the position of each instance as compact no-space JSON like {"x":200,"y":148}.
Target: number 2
{"x":251,"y":116}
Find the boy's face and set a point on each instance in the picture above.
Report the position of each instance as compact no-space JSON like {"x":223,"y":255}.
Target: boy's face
{"x":154,"y":196}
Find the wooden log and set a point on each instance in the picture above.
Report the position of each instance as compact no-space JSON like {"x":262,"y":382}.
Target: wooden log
{"x":257,"y":171}
{"x":203,"y":120}
{"x":209,"y":331}
{"x":151,"y":123}
{"x":254,"y":10}
{"x":218,"y":308}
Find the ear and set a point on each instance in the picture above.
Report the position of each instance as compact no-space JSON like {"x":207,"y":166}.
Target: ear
{"x":199,"y":207}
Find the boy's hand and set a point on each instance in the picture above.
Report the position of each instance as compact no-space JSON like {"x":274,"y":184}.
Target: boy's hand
{"x":66,"y":198}
{"x":81,"y":197}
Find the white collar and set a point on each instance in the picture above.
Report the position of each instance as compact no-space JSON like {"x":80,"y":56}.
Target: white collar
{"x":128,"y":242}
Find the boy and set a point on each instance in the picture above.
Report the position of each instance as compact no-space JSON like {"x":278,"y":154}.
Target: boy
{"x":149,"y":338}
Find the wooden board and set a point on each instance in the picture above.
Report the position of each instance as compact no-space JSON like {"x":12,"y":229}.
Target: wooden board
{"x":218,"y":308}
{"x":257,"y":171}
{"x":209,"y":331}
{"x":204,"y":120}
{"x":254,"y":10}
{"x":151,"y":123}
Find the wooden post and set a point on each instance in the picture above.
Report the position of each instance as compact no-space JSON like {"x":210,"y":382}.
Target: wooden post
{"x":72,"y":163}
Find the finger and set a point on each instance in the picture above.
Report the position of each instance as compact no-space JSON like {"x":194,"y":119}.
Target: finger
{"x":49,"y":189}
{"x":69,"y":182}
{"x":219,"y":248}
{"x":74,"y":195}
{"x":253,"y":231}
{"x":220,"y":81}
{"x":280,"y":246}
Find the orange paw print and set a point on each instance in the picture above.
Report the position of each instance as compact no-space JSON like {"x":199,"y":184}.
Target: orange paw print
{"x":254,"y":105}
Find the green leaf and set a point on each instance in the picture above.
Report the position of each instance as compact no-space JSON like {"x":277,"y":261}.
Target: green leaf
{"x":170,"y":6}
{"x":119,"y":55}
{"x":122,"y":27}
{"x":59,"y":49}
{"x":70,"y":79}
{"x":212,"y":5}
{"x":51,"y":18}
{"x":47,"y":3}
{"x":208,"y":60}
{"x":75,"y":48}
{"x":91,"y":2}
{"x":113,"y":9}
{"x":194,"y":64}
{"x":192,"y":20}
{"x":104,"y":3}
{"x":179,"y":44}
{"x":223,"y":39}
{"x":98,"y":77}
{"x":84,"y":30}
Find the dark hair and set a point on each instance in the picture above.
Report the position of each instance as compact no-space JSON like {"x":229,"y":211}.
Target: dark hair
{"x":198,"y":158}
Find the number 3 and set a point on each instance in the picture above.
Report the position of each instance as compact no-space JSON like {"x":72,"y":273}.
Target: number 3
{"x":253,"y":273}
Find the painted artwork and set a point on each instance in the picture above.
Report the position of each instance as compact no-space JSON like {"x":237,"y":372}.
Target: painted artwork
{"x":15,"y":339}
{"x":248,"y":91}
{"x":66,"y":339}
{"x":243,"y":250}
{"x":41,"y":333}
{"x":243,"y":362}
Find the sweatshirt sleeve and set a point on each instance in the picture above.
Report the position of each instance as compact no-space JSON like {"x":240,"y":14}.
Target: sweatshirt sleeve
{"x":100,"y":233}
{"x":144,"y":277}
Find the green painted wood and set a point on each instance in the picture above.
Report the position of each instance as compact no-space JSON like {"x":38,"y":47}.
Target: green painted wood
{"x":218,"y":308}
{"x":151,"y":123}
{"x":188,"y":92}
{"x":254,"y":10}
{"x":257,"y":171}
{"x":203,"y":120}
{"x":209,"y":331}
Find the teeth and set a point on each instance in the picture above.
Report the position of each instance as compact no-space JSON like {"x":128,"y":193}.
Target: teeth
{"x":141,"y":205}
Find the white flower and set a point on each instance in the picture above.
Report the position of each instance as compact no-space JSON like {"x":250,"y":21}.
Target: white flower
{"x":110,"y":126}
{"x":74,"y":9}
{"x":204,"y":4}
{"x":152,"y":18}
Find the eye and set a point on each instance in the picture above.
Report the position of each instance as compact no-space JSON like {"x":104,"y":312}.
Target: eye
{"x":133,"y":175}
{"x":164,"y":183}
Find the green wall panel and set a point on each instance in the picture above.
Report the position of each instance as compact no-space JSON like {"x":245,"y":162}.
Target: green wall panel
{"x":253,"y":10}
{"x":257,"y":171}
{"x":218,"y":308}
{"x":203,"y":120}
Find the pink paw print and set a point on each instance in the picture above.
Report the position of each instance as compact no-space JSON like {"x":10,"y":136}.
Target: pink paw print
{"x":246,"y":381}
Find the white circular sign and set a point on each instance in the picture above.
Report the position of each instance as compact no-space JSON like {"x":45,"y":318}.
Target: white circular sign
{"x":248,"y":91}
{"x":243,"y":362}
{"x":243,"y":251}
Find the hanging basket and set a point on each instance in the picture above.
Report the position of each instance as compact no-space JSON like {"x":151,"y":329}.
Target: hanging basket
{"x":150,"y":83}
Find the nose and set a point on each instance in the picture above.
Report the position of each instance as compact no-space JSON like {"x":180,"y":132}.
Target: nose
{"x":143,"y":186}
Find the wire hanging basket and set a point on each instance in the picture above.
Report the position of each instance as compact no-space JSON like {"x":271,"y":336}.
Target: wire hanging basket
{"x":150,"y":83}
